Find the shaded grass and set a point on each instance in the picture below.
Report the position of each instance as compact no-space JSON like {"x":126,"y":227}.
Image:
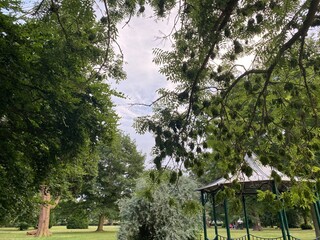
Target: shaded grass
{"x":61,"y":232}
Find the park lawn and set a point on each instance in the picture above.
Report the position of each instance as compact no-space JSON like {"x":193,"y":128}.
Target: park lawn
{"x":110,"y":233}
{"x":266,"y":232}
{"x":61,"y":233}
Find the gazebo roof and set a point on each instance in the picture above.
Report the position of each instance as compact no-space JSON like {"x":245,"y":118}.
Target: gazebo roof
{"x":261,"y":176}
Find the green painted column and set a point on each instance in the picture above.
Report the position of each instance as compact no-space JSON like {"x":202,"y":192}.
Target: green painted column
{"x":316,"y":208}
{"x":318,"y":199}
{"x":204,"y":219}
{"x":283,"y":229}
{"x":245,"y":216}
{"x":318,"y":204}
{"x":285,"y":219}
{"x":214,"y":215}
{"x":225,"y":204}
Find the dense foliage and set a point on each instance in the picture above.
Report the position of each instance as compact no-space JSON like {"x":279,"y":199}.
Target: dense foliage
{"x":246,"y":76}
{"x":55,"y":104}
{"x":78,"y":219}
{"x":161,"y":211}
{"x":119,"y":165}
{"x":247,"y":81}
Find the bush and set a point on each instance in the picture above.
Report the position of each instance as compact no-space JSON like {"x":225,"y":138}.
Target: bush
{"x":305,"y":226}
{"x":23,"y":226}
{"x":78,"y":221}
{"x":164,"y":211}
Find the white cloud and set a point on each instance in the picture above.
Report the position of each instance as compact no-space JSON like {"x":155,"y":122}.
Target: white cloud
{"x":137,"y":40}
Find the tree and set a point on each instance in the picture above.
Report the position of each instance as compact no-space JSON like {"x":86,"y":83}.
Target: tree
{"x":269,"y":106}
{"x":247,"y":80}
{"x":73,"y":213}
{"x":161,"y":211}
{"x":56,"y":104}
{"x":119,"y":165}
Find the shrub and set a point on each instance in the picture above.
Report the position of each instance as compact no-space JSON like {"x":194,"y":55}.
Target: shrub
{"x":78,"y":220}
{"x":164,"y":211}
{"x":305,"y":226}
{"x":23,"y":226}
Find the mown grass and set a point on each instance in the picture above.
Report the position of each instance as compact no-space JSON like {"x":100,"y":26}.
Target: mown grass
{"x":110,"y":233}
{"x":266,"y":232}
{"x":61,"y":233}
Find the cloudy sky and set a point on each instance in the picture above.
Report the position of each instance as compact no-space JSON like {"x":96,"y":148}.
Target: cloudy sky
{"x":137,"y":40}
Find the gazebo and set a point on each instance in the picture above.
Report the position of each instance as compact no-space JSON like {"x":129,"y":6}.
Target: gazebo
{"x":261,"y":179}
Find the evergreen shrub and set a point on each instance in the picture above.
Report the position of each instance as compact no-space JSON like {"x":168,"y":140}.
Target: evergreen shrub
{"x":78,"y":221}
{"x":23,"y":226}
{"x":162,"y":211}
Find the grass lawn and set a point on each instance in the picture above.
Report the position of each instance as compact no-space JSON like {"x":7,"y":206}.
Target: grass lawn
{"x":61,"y":233}
{"x":267,"y":232}
{"x":110,"y":233}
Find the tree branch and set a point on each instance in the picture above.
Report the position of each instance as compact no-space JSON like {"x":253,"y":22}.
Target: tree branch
{"x":150,"y":104}
{"x":219,"y":25}
{"x":235,"y":82}
{"x":304,"y":75}
{"x":38,"y":7}
{"x":300,"y":33}
{"x":56,"y":202}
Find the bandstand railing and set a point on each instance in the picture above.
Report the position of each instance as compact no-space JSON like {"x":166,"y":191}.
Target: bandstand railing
{"x":253,"y":237}
{"x":219,"y":237}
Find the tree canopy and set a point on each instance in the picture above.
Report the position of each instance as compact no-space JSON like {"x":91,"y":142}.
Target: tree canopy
{"x":56,"y":104}
{"x":247,"y":81}
{"x":246,"y":75}
{"x":119,"y":165}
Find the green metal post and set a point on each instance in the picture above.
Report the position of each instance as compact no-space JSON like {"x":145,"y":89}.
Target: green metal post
{"x":204,"y":219}
{"x":318,"y":205}
{"x":317,"y":202}
{"x":245,"y":215}
{"x":316,"y":208}
{"x":283,"y":230}
{"x":214,"y":215}
{"x":286,"y":223}
{"x":227,"y":219}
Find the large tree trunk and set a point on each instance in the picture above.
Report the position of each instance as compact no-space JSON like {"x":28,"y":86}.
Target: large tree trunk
{"x":101,"y":223}
{"x":44,"y":216}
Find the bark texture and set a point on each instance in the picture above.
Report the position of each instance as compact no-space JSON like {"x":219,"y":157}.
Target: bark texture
{"x":44,"y":216}
{"x":101,"y":223}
